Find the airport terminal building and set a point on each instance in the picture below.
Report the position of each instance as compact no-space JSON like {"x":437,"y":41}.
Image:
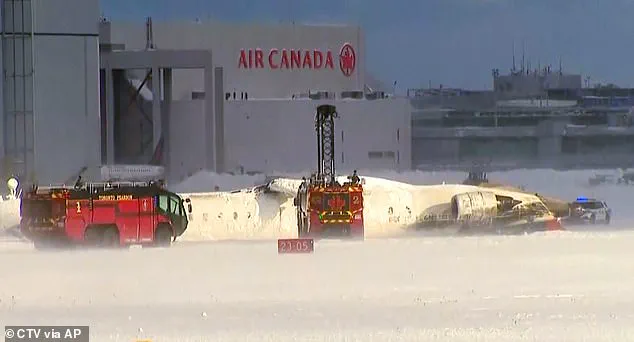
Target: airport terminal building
{"x":186,"y":95}
{"x":253,"y":109}
{"x":81,"y":91}
{"x":530,"y":119}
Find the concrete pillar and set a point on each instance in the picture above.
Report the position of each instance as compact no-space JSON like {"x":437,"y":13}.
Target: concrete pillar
{"x":220,"y":119}
{"x":209,"y":119}
{"x":109,"y":116}
{"x":156,"y":107}
{"x":166,"y":118}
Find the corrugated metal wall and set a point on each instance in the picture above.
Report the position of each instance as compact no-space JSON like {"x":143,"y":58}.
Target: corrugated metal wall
{"x":17,"y":86}
{"x":50,"y":56}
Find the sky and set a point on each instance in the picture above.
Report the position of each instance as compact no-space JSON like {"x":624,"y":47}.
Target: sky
{"x":455,"y":43}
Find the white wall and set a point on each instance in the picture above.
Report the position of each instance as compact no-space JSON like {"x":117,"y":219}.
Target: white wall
{"x":226,"y":41}
{"x":66,"y":16}
{"x":279,"y":135}
{"x":187,"y":132}
{"x":66,"y":88}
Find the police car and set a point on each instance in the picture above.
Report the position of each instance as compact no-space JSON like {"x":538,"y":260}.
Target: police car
{"x":590,"y":210}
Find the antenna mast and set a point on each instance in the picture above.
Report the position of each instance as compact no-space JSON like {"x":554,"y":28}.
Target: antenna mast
{"x":149,"y":34}
{"x":523,"y":53}
{"x":513,"y":69}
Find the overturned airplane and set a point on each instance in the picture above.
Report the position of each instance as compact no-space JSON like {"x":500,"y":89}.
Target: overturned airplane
{"x":391,"y":209}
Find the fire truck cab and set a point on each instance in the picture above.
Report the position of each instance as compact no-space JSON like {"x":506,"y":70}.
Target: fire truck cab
{"x":103,"y":214}
{"x":330,"y":210}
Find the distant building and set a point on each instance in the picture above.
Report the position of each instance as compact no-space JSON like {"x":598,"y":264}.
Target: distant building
{"x":533,"y":83}
{"x":529,"y":119}
{"x":253,"y":108}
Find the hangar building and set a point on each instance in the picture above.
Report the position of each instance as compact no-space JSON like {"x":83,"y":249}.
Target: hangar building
{"x":185,"y":95}
{"x":50,"y":88}
{"x":265,"y":83}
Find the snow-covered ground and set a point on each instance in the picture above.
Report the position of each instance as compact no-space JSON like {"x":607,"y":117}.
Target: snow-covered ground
{"x":557,"y":286}
{"x":561,"y":286}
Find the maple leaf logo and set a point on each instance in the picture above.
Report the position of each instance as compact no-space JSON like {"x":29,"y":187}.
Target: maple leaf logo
{"x":336,"y":203}
{"x":347,"y":59}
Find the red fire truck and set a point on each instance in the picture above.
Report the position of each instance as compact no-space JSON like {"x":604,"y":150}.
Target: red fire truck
{"x":324,"y":206}
{"x":103,"y":214}
{"x":330,"y":210}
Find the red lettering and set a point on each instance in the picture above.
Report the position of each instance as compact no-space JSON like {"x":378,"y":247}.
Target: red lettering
{"x":284,"y":59}
{"x":242,"y":62}
{"x":296,"y":59}
{"x":318,"y":59}
{"x":258,"y":58}
{"x":329,"y":62}
{"x":307,"y":61}
{"x":290,"y":59}
{"x":272,"y":64}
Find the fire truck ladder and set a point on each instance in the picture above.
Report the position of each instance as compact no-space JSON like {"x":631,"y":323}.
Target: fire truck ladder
{"x":325,"y":127}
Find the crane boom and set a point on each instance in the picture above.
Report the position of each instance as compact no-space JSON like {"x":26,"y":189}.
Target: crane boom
{"x":323,"y":206}
{"x":325,"y":127}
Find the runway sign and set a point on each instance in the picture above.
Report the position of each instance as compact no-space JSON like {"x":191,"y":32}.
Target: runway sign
{"x":286,"y":246}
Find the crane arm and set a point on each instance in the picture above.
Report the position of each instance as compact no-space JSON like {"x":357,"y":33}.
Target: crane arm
{"x":325,"y":127}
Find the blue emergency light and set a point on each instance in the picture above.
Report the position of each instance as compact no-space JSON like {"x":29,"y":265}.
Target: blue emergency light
{"x":582,"y":199}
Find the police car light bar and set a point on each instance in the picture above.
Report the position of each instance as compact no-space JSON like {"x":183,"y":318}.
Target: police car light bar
{"x":584,"y":199}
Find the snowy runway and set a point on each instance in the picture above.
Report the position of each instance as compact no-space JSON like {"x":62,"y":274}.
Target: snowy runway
{"x":557,"y":286}
{"x":563,"y":286}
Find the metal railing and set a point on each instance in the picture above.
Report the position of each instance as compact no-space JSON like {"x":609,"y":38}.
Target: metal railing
{"x":559,"y":162}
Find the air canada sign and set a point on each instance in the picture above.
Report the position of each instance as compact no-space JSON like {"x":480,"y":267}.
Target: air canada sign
{"x":299,"y":59}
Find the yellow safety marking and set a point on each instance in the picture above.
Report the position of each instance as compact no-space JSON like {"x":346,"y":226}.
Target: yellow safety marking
{"x":336,"y":221}
{"x":336,"y":212}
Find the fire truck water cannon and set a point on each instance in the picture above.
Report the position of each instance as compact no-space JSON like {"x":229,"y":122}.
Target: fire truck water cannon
{"x":106,"y":214}
{"x":324,"y":207}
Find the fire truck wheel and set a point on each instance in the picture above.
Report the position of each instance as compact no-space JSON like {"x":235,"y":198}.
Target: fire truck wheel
{"x":163,"y":235}
{"x":110,"y":237}
{"x":92,"y":236}
{"x":300,"y":224}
